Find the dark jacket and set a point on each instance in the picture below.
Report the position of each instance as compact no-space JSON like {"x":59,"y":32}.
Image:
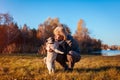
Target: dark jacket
{"x":64,"y":47}
{"x":73,"y":43}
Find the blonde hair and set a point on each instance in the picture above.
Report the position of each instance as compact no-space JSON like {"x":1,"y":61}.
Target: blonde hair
{"x":60,"y":30}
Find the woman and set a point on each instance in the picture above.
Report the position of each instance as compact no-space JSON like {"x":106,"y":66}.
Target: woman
{"x":69,"y":46}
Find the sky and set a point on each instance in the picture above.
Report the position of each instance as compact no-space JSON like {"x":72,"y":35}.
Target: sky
{"x":102,"y":17}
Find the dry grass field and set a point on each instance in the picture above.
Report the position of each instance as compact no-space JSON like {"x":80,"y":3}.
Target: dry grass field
{"x":31,"y":67}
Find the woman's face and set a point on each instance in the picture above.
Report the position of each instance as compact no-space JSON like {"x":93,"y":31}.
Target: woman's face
{"x":59,"y":37}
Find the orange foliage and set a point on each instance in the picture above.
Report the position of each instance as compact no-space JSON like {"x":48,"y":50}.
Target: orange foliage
{"x":15,"y":40}
{"x":86,"y":43}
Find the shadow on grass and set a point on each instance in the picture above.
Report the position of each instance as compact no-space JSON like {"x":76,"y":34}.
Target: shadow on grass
{"x":105,"y":68}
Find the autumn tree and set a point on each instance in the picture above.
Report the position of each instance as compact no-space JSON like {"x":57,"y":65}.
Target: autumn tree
{"x":3,"y":37}
{"x":9,"y":33}
{"x":45,"y":30}
{"x":10,"y":36}
{"x":86,"y":43}
{"x":82,"y":35}
{"x":5,"y":19}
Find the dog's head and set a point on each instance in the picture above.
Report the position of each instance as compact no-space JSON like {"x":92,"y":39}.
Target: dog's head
{"x":50,"y":40}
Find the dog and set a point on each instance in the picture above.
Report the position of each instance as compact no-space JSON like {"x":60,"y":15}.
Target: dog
{"x":52,"y":51}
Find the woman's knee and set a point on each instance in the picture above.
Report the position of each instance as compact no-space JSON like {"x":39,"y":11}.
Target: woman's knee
{"x":71,"y":52}
{"x":74,"y":56}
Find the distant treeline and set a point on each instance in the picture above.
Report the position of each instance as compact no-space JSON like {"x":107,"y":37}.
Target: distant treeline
{"x":16,"y":39}
{"x":112,"y":47}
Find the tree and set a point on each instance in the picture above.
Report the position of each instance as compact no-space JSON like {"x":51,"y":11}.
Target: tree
{"x":82,"y":36}
{"x":10,"y":35}
{"x":5,"y":19}
{"x":86,"y":43}
{"x":45,"y":30}
{"x":82,"y":32}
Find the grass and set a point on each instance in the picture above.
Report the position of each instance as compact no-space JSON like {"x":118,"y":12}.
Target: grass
{"x":31,"y":67}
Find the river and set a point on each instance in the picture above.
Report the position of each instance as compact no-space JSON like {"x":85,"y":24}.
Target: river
{"x":110,"y":52}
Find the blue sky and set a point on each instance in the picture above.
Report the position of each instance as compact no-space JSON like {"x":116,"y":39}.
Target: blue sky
{"x":102,"y":17}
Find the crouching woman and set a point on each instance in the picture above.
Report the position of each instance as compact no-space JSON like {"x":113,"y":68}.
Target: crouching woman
{"x":69,"y":46}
